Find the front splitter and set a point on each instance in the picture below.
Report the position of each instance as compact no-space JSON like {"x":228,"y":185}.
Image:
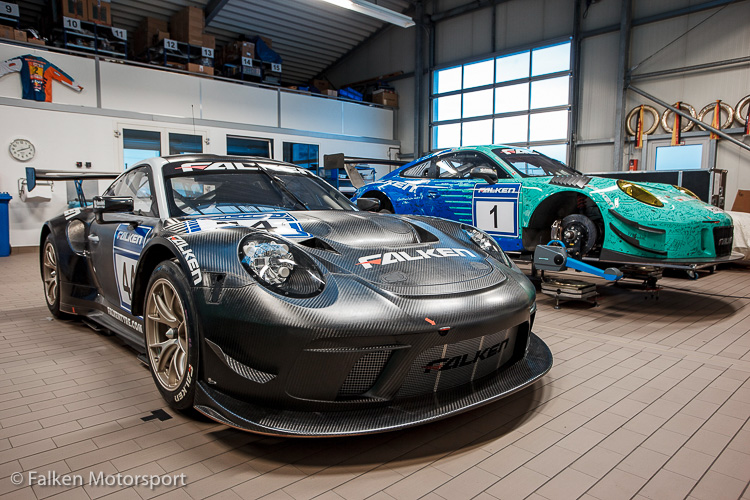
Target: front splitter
{"x":398,"y":415}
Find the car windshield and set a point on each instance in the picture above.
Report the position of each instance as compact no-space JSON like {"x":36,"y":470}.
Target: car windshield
{"x":250,"y":191}
{"x":532,"y":164}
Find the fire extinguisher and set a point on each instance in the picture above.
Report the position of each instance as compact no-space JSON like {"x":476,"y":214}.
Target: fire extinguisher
{"x":633,"y":165}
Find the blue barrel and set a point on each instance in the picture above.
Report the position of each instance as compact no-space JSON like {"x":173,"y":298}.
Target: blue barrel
{"x":4,"y":225}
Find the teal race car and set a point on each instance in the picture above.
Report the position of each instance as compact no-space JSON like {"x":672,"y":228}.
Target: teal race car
{"x":525,"y":199}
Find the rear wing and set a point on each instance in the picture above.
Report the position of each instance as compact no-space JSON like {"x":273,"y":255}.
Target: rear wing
{"x":348,"y":163}
{"x":33,"y":175}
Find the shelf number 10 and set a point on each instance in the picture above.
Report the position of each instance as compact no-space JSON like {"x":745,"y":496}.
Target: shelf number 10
{"x":71,"y":24}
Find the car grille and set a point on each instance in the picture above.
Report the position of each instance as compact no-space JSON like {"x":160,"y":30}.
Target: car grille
{"x":723,"y":237}
{"x":363,"y":374}
{"x":442,"y":367}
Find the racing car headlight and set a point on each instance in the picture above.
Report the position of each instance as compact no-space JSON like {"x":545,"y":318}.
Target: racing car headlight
{"x":639,"y":193}
{"x":279,"y":266}
{"x":686,"y":191}
{"x":487,"y":244}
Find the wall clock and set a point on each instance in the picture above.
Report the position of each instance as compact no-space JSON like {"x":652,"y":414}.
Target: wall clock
{"x":22,"y":149}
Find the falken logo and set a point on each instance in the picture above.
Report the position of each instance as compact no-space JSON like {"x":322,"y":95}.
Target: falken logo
{"x":443,"y":364}
{"x":383,"y":259}
{"x":133,"y":238}
{"x":724,"y":241}
{"x":190,"y":259}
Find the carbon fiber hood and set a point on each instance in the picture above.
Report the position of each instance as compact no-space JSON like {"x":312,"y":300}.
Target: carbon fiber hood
{"x":397,"y":252}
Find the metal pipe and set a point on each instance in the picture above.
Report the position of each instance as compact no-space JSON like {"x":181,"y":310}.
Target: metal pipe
{"x":626,"y":20}
{"x":575,"y":97}
{"x":696,"y":67}
{"x":418,"y":76}
{"x":688,"y":117}
{"x":661,"y":17}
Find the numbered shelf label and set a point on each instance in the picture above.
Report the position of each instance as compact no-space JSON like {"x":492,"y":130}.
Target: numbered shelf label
{"x":170,"y":44}
{"x":9,"y":9}
{"x":70,"y":23}
{"x":206,"y":52}
{"x":120,"y":33}
{"x":247,"y":61}
{"x":276,"y":67}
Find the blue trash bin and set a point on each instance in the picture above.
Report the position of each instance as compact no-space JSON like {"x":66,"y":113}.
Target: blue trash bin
{"x":4,"y":225}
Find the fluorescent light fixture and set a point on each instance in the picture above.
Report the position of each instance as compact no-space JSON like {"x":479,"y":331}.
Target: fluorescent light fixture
{"x":376,"y":11}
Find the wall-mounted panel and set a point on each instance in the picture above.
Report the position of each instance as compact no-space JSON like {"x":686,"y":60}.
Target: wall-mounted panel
{"x":129,"y":88}
{"x":598,"y":87}
{"x":230,"y":102}
{"x":82,"y":70}
{"x":302,"y":112}
{"x":367,"y":121}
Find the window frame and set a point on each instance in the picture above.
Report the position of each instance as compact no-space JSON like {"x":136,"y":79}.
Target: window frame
{"x":528,"y":111}
{"x":149,"y":175}
{"x":267,"y":140}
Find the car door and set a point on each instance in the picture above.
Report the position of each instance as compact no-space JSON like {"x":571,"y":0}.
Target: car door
{"x":116,"y":247}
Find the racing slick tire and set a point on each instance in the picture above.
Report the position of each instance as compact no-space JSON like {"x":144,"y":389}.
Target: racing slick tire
{"x":48,"y":262}
{"x":172,"y":340}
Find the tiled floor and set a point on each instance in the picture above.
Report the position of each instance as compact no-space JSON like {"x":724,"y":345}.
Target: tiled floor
{"x":647,"y":399}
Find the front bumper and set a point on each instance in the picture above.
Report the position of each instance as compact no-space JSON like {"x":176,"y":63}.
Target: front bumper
{"x":610,"y":257}
{"x":398,"y":414}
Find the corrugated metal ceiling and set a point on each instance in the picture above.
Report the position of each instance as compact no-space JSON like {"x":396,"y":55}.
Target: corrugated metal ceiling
{"x":309,"y":35}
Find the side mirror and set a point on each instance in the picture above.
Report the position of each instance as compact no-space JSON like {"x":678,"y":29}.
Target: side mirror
{"x":487,"y":173}
{"x":368,"y":204}
{"x":111,"y":204}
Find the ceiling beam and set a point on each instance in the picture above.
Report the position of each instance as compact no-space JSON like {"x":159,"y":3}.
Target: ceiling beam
{"x":213,"y":8}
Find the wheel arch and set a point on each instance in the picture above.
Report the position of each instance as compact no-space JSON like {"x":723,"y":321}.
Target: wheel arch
{"x":151,"y":257}
{"x":557,"y":206}
{"x":385,"y":201}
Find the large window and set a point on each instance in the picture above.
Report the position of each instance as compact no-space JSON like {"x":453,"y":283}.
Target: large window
{"x":249,"y":146}
{"x":521,"y":99}
{"x":180,"y":144}
{"x":304,"y":155}
{"x":138,"y":145}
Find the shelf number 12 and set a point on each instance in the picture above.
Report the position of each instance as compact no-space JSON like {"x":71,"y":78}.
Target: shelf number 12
{"x":170,"y":44}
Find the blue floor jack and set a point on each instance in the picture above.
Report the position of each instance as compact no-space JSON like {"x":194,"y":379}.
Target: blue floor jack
{"x":554,"y":257}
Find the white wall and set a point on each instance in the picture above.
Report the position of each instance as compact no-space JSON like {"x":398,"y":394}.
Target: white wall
{"x":72,"y":128}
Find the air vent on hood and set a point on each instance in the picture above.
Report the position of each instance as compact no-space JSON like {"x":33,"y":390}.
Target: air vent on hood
{"x":423,"y":235}
{"x":318,"y":244}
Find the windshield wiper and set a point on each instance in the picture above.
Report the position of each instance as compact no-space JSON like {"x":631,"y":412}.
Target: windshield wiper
{"x":279,"y":183}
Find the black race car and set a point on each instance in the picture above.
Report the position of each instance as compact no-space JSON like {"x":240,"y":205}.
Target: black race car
{"x":266,"y":300}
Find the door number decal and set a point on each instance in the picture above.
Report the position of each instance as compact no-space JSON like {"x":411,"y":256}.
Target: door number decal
{"x":495,"y":209}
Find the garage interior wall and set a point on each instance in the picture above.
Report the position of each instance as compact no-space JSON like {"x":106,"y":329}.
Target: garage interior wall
{"x":720,"y":33}
{"x":87,"y":126}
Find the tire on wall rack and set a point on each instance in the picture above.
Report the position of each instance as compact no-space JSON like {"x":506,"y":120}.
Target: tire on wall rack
{"x":686,"y":127}
{"x":745,"y":101}
{"x":710,"y":108}
{"x":172,"y":341}
{"x":634,"y":112}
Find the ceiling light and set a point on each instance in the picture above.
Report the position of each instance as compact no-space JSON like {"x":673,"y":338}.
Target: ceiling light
{"x":376,"y":11}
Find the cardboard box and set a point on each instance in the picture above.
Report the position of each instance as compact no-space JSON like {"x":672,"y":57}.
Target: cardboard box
{"x":73,"y":8}
{"x":332,"y":93}
{"x":20,"y":36}
{"x":146,"y":34}
{"x":321,"y":85}
{"x":742,"y":201}
{"x":197,"y":68}
{"x":99,"y":12}
{"x":385,"y":97}
{"x":209,"y":41}
{"x":7,"y":32}
{"x":36,"y":41}
{"x":235,"y":51}
{"x":187,"y":26}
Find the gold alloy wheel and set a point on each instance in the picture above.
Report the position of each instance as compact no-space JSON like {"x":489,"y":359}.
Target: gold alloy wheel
{"x":166,"y":334}
{"x":49,"y":273}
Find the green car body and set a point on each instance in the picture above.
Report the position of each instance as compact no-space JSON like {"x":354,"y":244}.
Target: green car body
{"x":683,"y":230}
